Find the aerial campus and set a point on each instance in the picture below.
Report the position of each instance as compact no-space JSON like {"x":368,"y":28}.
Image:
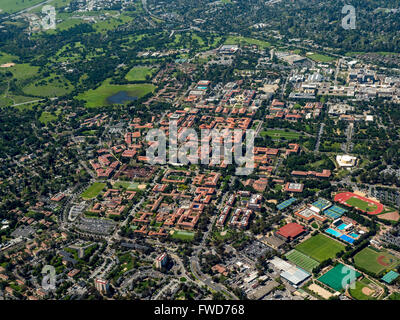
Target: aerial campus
{"x":88,"y":213}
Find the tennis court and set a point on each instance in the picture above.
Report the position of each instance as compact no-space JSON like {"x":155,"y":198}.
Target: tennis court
{"x":334,"y":212}
{"x":301,"y":260}
{"x":321,"y":204}
{"x":339,"y":277}
{"x":285,"y":203}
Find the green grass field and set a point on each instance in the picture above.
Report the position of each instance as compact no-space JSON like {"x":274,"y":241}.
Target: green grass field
{"x":183,"y":235}
{"x":320,"y":57}
{"x":320,"y":247}
{"x":139,"y":73}
{"x":131,"y":186}
{"x":301,"y":260}
{"x":11,"y":6}
{"x":368,"y":259}
{"x":278,"y":134}
{"x":93,"y":190}
{"x":360,"y":204}
{"x":357,"y":293}
{"x":98,"y":97}
{"x":47,"y":117}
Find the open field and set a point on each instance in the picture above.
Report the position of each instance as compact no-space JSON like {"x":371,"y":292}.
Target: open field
{"x":278,"y":134}
{"x":139,"y":73}
{"x":93,"y":190}
{"x":47,"y":117}
{"x":320,"y":57}
{"x":49,"y":87}
{"x":301,"y":260}
{"x":239,"y":40}
{"x":98,"y":97}
{"x":11,"y":6}
{"x":375,"y":261}
{"x":183,"y":235}
{"x":320,"y":247}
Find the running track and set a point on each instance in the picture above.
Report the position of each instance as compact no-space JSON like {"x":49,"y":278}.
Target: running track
{"x":344,"y":196}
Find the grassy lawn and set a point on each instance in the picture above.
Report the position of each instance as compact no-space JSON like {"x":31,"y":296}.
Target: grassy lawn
{"x":131,"y":186}
{"x":394,"y":296}
{"x":139,"y":73}
{"x":47,"y":117}
{"x":93,"y":190}
{"x":278,"y":134}
{"x":12,"y":6}
{"x":372,"y":260}
{"x":320,"y":57}
{"x":320,"y":247}
{"x":360,"y":204}
{"x":183,"y":235}
{"x":52,"y":86}
{"x":98,"y":97}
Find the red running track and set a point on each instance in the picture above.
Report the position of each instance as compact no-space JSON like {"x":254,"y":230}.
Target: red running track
{"x":344,"y":196}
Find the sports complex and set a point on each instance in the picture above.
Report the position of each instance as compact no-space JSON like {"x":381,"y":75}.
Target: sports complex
{"x":359,"y":202}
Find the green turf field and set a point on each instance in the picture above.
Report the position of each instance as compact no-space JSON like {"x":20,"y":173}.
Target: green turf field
{"x":368,"y":259}
{"x":338,"y":277}
{"x":360,"y":204}
{"x":93,"y":190}
{"x":301,"y":260}
{"x":139,"y":73}
{"x":183,"y":235}
{"x":320,"y":247}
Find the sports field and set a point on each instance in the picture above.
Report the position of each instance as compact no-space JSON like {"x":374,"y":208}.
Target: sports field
{"x":93,"y":190}
{"x":375,"y":261}
{"x":363,"y":290}
{"x":301,"y":260}
{"x":320,"y":57}
{"x":183,"y":235}
{"x":339,"y":277}
{"x":361,"y":203}
{"x":320,"y":247}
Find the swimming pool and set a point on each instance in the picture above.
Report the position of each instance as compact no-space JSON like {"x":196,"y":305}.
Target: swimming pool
{"x":333,"y":232}
{"x":354,"y":235}
{"x":347,"y":239}
{"x":342,"y":227}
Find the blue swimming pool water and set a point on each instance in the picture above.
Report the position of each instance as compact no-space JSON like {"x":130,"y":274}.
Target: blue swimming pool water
{"x":354,"y":235}
{"x":333,"y":232}
{"x":342,"y":226}
{"x":347,"y":239}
